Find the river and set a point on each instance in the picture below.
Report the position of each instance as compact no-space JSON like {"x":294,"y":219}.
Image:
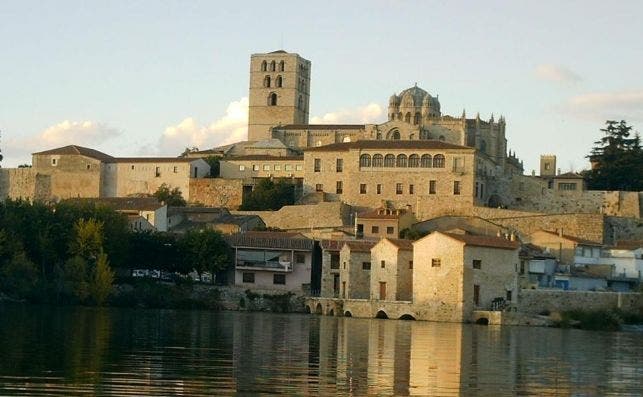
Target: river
{"x":86,"y":351}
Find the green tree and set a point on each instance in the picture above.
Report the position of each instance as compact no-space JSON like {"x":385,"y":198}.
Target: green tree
{"x":19,"y":277}
{"x":268,"y":195}
{"x":617,"y":159}
{"x":75,"y":279}
{"x":171,"y":197}
{"x":88,"y":241}
{"x":100,"y":283}
{"x":215,"y":167}
{"x":205,"y":250}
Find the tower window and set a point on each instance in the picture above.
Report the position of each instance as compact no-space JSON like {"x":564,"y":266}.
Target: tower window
{"x":365,"y":160}
{"x":272,"y":66}
{"x":300,"y":103}
{"x":266,"y":81}
{"x":281,"y":66}
{"x":272,"y":99}
{"x":417,"y":118}
{"x":278,"y":82}
{"x":264,"y":66}
{"x":407,"y":117}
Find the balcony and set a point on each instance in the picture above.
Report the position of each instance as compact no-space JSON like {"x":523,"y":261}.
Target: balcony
{"x":275,"y":266}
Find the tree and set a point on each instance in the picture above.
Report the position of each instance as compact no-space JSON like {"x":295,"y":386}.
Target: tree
{"x":171,"y":197}
{"x":617,"y":159}
{"x":268,"y":195}
{"x":88,"y":241}
{"x":19,"y":277}
{"x":75,"y":279}
{"x":205,"y":250}
{"x":215,"y":167}
{"x":100,"y":283}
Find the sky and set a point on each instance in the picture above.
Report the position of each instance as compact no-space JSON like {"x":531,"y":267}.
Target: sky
{"x":138,"y":78}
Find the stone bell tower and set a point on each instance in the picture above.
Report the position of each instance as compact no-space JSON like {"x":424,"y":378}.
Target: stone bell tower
{"x":279,"y":92}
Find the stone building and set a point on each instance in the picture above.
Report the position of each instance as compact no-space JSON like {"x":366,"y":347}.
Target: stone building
{"x":141,"y":211}
{"x":455,"y":274}
{"x":355,"y":269}
{"x":330,"y":268}
{"x":564,"y":246}
{"x":383,"y":222}
{"x":392,"y":270}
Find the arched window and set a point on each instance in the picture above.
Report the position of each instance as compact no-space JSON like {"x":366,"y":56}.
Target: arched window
{"x":272,"y":99}
{"x":378,"y":160}
{"x":264,"y":66}
{"x":414,"y":161}
{"x":300,"y":102}
{"x":278,"y":82}
{"x":266,"y":81}
{"x":389,"y":160}
{"x":438,"y":161}
{"x":396,"y":135}
{"x":365,"y":160}
{"x":281,"y":66}
{"x":272,"y":66}
{"x":407,"y":118}
{"x":393,"y":134}
{"x":401,"y":160}
{"x":425,"y":161}
{"x":417,"y":118}
{"x":399,"y":116}
{"x":483,"y":146}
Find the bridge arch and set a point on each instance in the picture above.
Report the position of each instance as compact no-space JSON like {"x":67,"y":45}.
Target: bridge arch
{"x":319,"y":309}
{"x":347,"y":313}
{"x":407,"y":316}
{"x":381,"y":314}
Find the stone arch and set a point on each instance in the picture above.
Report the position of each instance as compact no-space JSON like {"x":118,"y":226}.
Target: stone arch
{"x":365,"y":160}
{"x":282,"y":65}
{"x":348,"y":314}
{"x":393,"y":134}
{"x":401,"y":160}
{"x":414,"y":161}
{"x":482,"y":321}
{"x":264,"y":66}
{"x":381,"y":314}
{"x":378,"y":160}
{"x":266,"y":81}
{"x":407,"y":317}
{"x":331,"y":312}
{"x":307,"y":309}
{"x":272,"y":66}
{"x":272,"y":99}
{"x":417,"y":118}
{"x":389,"y":160}
{"x":425,"y":161}
{"x":319,"y":309}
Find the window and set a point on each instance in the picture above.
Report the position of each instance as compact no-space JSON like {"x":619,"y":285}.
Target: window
{"x":158,"y":172}
{"x":288,"y":167}
{"x":456,"y":187}
{"x":378,"y":160}
{"x":272,"y":99}
{"x":509,"y":295}
{"x":438,"y":161}
{"x":299,"y":167}
{"x":379,"y":188}
{"x":281,"y":66}
{"x":319,"y":187}
{"x":417,"y":118}
{"x":365,"y":160}
{"x":132,"y":166}
{"x":383,"y":264}
{"x":425,"y":161}
{"x":411,"y":265}
{"x":366,"y":265}
{"x":339,"y":165}
{"x":176,"y":169}
{"x":477,"y":264}
{"x":339,"y":187}
{"x":407,"y":117}
{"x":362,"y":188}
{"x":390,"y":230}
{"x":278,"y":82}
{"x":88,"y":166}
{"x":398,"y":188}
{"x":266,"y":167}
{"x":436,"y":262}
{"x":266,"y":81}
{"x":317,"y":165}
{"x":567,"y":186}
{"x":414,"y":161}
{"x":375,"y":229}
{"x":476,"y":294}
{"x":248,"y":277}
{"x":277,"y":167}
{"x":389,"y":160}
{"x":255,"y":167}
{"x":272,"y":66}
{"x":547,"y":166}
{"x":279,"y":279}
{"x":344,"y":264}
{"x":432,"y":187}
{"x":411,"y":189}
{"x":334,"y":261}
{"x":264,"y":66}
{"x":401,"y":160}
{"x":300,"y":257}
{"x":300,"y":103}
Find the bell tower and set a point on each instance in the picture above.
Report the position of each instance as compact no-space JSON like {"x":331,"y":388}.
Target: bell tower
{"x":279,"y":92}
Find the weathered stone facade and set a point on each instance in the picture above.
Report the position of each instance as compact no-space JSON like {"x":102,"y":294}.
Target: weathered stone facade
{"x":216,"y":192}
{"x":392,"y":270}
{"x":355,"y":270}
{"x":535,"y":301}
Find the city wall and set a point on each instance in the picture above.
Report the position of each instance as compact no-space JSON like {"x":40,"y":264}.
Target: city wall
{"x":534,"y":301}
{"x":216,"y":192}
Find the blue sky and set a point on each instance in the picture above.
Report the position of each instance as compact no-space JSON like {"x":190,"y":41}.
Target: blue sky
{"x":149,"y":78}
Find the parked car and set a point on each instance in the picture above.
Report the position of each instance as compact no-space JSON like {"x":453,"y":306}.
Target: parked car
{"x":140,"y":273}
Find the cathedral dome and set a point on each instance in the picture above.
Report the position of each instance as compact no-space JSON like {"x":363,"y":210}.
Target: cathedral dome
{"x":414,"y":95}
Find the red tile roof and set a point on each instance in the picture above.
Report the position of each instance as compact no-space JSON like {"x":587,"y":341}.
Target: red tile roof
{"x":155,"y":159}
{"x":383,"y":145}
{"x":271,"y":240}
{"x":402,"y":244}
{"x":485,"y":241}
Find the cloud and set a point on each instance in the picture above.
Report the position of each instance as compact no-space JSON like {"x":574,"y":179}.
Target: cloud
{"x":556,"y":74}
{"x":232,"y":127}
{"x":84,"y":133}
{"x":370,"y":113}
{"x":601,"y":106}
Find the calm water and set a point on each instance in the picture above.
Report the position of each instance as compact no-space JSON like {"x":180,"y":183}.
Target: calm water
{"x":81,"y":351}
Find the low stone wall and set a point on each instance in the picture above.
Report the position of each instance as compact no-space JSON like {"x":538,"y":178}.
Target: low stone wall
{"x":534,"y":301}
{"x":216,"y":192}
{"x":17,"y":183}
{"x":304,"y":217}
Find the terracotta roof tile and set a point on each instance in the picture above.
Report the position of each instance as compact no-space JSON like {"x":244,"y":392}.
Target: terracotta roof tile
{"x":275,"y":240}
{"x":360,"y":246}
{"x":155,"y":159}
{"x":123,"y":203}
{"x":402,"y":244}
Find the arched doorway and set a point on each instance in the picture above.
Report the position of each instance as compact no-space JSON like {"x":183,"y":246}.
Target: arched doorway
{"x":381,"y":314}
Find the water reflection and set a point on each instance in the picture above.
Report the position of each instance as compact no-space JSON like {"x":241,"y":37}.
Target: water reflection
{"x":65,"y":351}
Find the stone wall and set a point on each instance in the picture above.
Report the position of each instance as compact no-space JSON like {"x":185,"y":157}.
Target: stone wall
{"x":534,"y":301}
{"x":216,"y":192}
{"x":305,"y":217}
{"x":17,"y":183}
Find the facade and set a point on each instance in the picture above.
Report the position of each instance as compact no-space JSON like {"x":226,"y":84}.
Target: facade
{"x":144,"y":213}
{"x":183,"y":219}
{"x":454,"y":274}
{"x":279,"y":92}
{"x":253,"y":167}
{"x":383,"y":223}
{"x":330,"y":285}
{"x":272,"y":261}
{"x":565,"y":247}
{"x":355,"y":269}
{"x":392,"y":270}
